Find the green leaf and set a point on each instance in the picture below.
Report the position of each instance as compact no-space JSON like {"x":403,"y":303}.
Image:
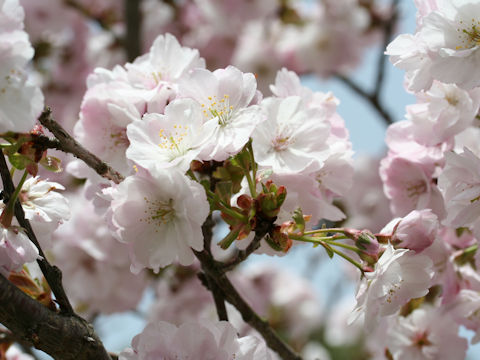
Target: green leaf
{"x":19,"y":161}
{"x":329,"y":250}
{"x":224,"y":191}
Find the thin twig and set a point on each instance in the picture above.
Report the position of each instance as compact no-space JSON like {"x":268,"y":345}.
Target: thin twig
{"x":369,"y":97}
{"x":262,"y":229}
{"x":68,"y":144}
{"x":52,"y":274}
{"x":373,"y":97}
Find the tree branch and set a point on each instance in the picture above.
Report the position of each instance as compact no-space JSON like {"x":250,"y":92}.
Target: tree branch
{"x":133,"y":21}
{"x":52,"y":274}
{"x":68,"y":144}
{"x":371,"y":98}
{"x":248,"y":314}
{"x":63,"y":337}
{"x":374,"y":97}
{"x":209,"y":283}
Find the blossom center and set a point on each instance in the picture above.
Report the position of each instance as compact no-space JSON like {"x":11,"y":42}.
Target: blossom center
{"x":469,"y":35}
{"x":218,"y":108}
{"x":283,"y":140}
{"x":159,"y":212}
{"x":415,"y":189}
{"x":120,"y":138}
{"x":174,"y":140}
{"x":421,"y":339}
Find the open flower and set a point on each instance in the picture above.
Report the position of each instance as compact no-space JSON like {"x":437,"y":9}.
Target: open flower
{"x":160,"y":216}
{"x":293,"y":138}
{"x":460,"y":186}
{"x":400,"y":275}
{"x":170,"y":140}
{"x":226,"y":95}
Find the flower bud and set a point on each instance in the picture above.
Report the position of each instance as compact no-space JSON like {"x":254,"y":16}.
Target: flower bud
{"x":417,"y":230}
{"x":367,"y":242}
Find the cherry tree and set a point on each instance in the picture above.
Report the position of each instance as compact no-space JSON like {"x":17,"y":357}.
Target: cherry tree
{"x":152,"y":147}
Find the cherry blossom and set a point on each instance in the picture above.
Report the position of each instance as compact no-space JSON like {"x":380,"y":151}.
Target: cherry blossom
{"x":20,"y":100}
{"x":96,"y":268}
{"x":444,"y":48}
{"x":227,"y":95}
{"x":160,"y":216}
{"x":427,"y":333}
{"x":202,"y":341}
{"x":460,"y":186}
{"x":400,"y":275}
{"x":170,"y":140}
{"x":16,"y":249}
{"x":292,"y":139}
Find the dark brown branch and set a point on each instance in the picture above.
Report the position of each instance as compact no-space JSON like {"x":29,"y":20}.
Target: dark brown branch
{"x":217,"y":295}
{"x":209,"y":283}
{"x":69,"y":145}
{"x":248,"y":315}
{"x":62,"y":337}
{"x":52,"y":274}
{"x":132,"y":36}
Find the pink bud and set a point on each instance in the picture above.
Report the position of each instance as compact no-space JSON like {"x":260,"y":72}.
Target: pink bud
{"x":417,"y":230}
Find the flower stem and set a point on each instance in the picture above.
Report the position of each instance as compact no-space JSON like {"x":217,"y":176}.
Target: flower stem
{"x":225,"y":208}
{"x":7,"y":214}
{"x":327,"y":243}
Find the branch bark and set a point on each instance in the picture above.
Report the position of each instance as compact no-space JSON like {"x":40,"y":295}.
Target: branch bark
{"x":132,"y":37}
{"x":68,"y":144}
{"x":51,"y":273}
{"x":248,"y":314}
{"x":63,"y":337}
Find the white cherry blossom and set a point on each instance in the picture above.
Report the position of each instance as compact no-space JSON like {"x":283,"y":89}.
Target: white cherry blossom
{"x":160,"y":215}
{"x":399,"y":275}
{"x":227,"y":95}
{"x":170,"y":140}
{"x":293,"y":137}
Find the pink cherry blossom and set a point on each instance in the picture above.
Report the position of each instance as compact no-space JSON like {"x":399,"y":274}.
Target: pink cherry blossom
{"x":427,"y":333}
{"x":445,"y":46}
{"x":16,"y":249}
{"x":95,"y":266}
{"x":408,"y":187}
{"x":416,"y":231}
{"x":460,"y":186}
{"x":200,"y":341}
